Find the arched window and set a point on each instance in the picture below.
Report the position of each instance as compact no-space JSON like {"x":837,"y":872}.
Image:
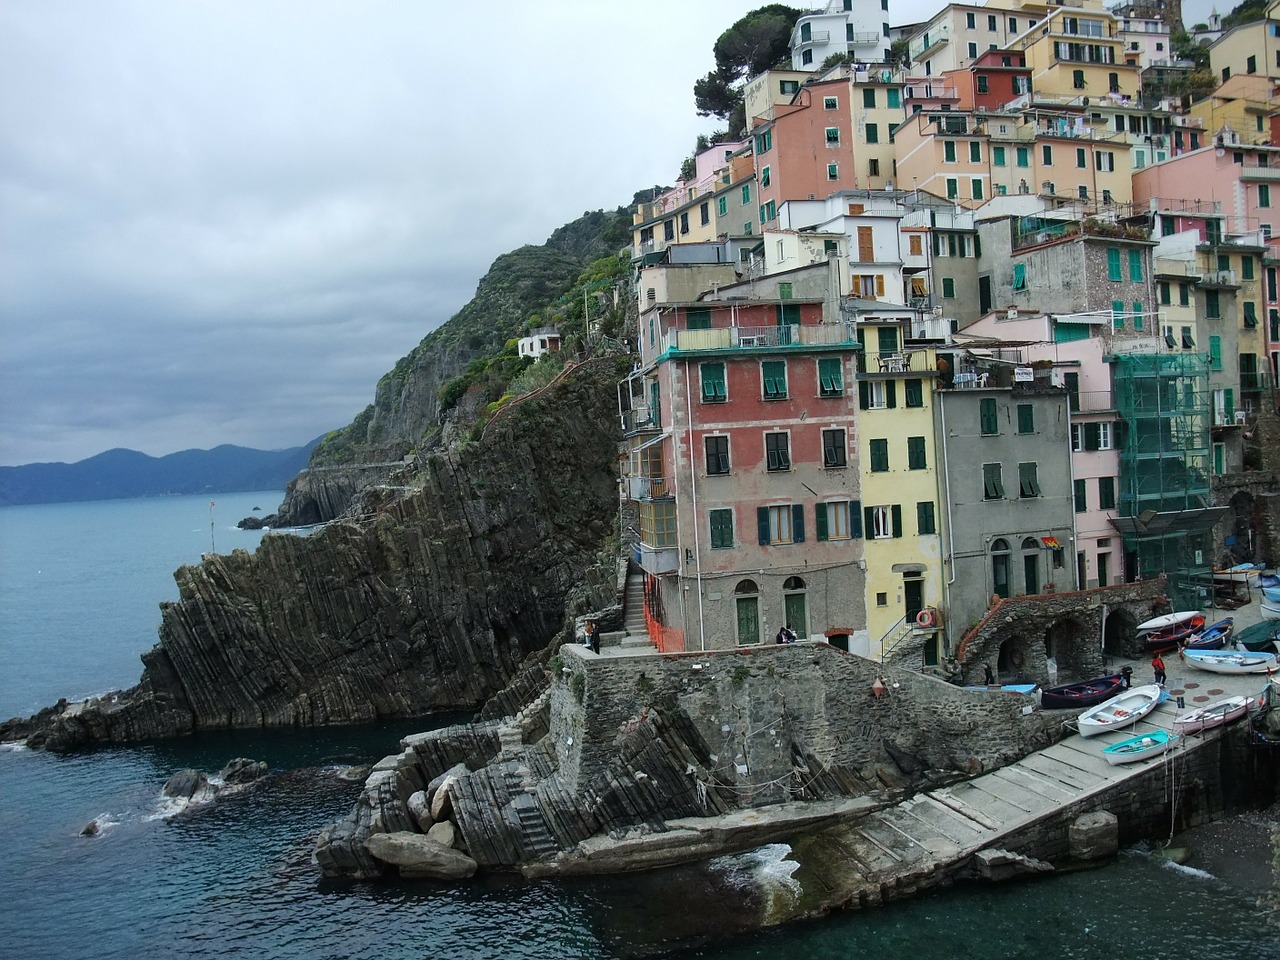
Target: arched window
{"x":795,"y":606}
{"x":1000,"y":567}
{"x":747,"y":608}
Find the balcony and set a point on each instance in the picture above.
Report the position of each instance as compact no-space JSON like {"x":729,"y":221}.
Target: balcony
{"x":1255,"y":172}
{"x":657,"y":560}
{"x":638,"y":419}
{"x":647,"y":488}
{"x":897,"y":362}
{"x":925,"y":46}
{"x":756,"y":338}
{"x":1218,"y":278}
{"x":1093,"y":401}
{"x":810,"y":37}
{"x":870,"y":39}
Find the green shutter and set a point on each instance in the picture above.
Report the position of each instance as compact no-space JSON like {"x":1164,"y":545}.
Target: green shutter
{"x":869,"y":520}
{"x":989,"y":423}
{"x":924,"y":517}
{"x":855,"y":519}
{"x":864,"y":395}
{"x":797,"y":523}
{"x":895,"y":516}
{"x":1229,"y":404}
{"x":820,"y":521}
{"x":1113,"y":263}
{"x":1026,"y":418}
{"x":891,"y":394}
{"x":1117,"y":314}
{"x":915,"y":393}
{"x":1215,"y":353}
{"x":762,"y":525}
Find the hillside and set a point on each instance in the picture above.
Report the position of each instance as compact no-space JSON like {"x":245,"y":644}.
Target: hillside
{"x":121,"y":474}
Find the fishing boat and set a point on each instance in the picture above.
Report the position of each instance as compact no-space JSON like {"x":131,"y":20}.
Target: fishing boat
{"x":1166,"y":620}
{"x":1269,"y":580}
{"x":1086,"y":693}
{"x":1172,"y":637}
{"x":1231,"y":661}
{"x":1211,"y":638}
{"x":1271,"y":595}
{"x":1140,"y":748}
{"x":1269,"y":611}
{"x":1120,"y":711}
{"x":1240,"y":573}
{"x":1211,"y":715}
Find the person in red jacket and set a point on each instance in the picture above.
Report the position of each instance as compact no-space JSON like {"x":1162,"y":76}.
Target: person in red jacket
{"x":1157,"y":665}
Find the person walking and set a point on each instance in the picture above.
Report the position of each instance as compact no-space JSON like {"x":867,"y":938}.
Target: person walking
{"x":1157,"y":667}
{"x":591,"y":636}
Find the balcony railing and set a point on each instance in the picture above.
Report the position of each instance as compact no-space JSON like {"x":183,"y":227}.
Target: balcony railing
{"x":898,"y":361}
{"x":1255,"y":172}
{"x":1093,"y":401}
{"x":809,"y":37}
{"x":647,"y":488}
{"x":1252,"y":381}
{"x":1219,"y":278}
{"x":732,"y":338}
{"x":863,"y":39}
{"x":658,"y":560}
{"x":639,"y":418}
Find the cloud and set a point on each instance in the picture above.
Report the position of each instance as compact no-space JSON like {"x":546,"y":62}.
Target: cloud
{"x":225,"y":221}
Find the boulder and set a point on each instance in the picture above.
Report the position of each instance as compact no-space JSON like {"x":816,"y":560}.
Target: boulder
{"x":445,"y":834}
{"x":420,"y":810}
{"x":456,"y":771}
{"x":1093,"y":836}
{"x":241,"y":771}
{"x":420,"y":857}
{"x":1002,"y":864}
{"x":441,"y":802}
{"x":189,"y":785}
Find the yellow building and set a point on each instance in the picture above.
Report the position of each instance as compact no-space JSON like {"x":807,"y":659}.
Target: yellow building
{"x":1073,"y":53}
{"x":1249,"y":49}
{"x":1242,"y":103}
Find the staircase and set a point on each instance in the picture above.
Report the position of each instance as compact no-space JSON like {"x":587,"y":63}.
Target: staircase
{"x":633,"y":622}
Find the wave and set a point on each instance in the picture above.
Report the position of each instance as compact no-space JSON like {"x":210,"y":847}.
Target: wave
{"x":1189,"y":871}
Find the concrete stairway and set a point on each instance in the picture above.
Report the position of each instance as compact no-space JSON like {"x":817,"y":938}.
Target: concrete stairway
{"x":633,"y":604}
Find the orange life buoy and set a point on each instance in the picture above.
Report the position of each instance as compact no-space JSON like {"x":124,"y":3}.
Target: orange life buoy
{"x":924,"y":618}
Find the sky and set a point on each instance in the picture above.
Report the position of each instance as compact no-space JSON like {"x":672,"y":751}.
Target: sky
{"x":222,"y":222}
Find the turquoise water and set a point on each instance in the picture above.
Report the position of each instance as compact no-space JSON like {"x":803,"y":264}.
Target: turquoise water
{"x":79,"y":588}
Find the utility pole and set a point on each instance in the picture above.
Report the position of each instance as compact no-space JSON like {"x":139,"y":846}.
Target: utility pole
{"x":213,"y":547}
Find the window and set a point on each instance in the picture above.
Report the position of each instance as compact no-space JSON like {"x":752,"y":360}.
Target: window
{"x":833,"y":171}
{"x":948,"y":287}
{"x":1212,"y":308}
{"x":721,"y":528}
{"x":953,"y":188}
{"x":1019,"y":276}
{"x":658,"y":523}
{"x":975,"y":188}
{"x":746,"y":194}
{"x":975,"y":151}
{"x":916,"y":459}
{"x":992,"y":485}
{"x":893,"y":98}
{"x":1106,"y":493}
{"x":1184,"y":294}
{"x":1113,"y":264}
{"x":830,"y":103}
{"x":833,"y":136}
{"x":1013,"y":24}
{"x":698,"y":318}
{"x":833,"y":449}
{"x":1026,"y":418}
{"x":713,"y":383}
{"x":717,"y":455}
{"x":884,"y":523}
{"x":1251,"y":64}
{"x":1165,"y":291}
{"x":830,"y":377}
{"x":997,"y":156}
{"x":1250,"y":314}
{"x":704,"y":213}
{"x":1028,"y":482}
{"x":764,"y":142}
{"x":877,"y":394}
{"x":1135,"y":265}
{"x":1264,"y":195}
{"x":1138,"y":312}
{"x":774,"y":375}
{"x":970,"y":20}
{"x":777,"y":448}
{"x":949,"y":151}
{"x":1246,"y":268}
{"x":879,"y":456}
{"x":1023,"y":156}
{"x":1046,"y":155}
{"x":1090,"y":436}
{"x":873,"y":133}
{"x":873,"y":167}
{"x":991,"y":22}
{"x":988,"y":422}
{"x":838,"y":520}
{"x":1077,"y":79}
{"x":780,"y":524}
{"x":925,"y":523}
{"x":983,"y":85}
{"x":1081,"y":497}
{"x":869,"y":97}
{"x":915,"y":393}
{"x":765,"y":176}
{"x":1188,"y":342}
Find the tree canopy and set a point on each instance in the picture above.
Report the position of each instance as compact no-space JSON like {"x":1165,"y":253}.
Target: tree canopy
{"x":755,"y":43}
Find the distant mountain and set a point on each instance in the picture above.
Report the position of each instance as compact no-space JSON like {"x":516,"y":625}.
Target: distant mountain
{"x":121,"y":474}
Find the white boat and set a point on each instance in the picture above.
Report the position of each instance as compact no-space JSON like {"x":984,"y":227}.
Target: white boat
{"x":1230,"y":661}
{"x":1240,"y":573}
{"x":1140,"y":748}
{"x":1270,"y":611}
{"x":1211,"y":715}
{"x":1119,"y":712}
{"x":1167,"y":620}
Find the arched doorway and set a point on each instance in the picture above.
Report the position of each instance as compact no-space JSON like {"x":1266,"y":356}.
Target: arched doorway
{"x":795,"y":606}
{"x":746,"y":598}
{"x":1118,"y":632}
{"x":1243,"y":536}
{"x":1031,"y":565}
{"x":1000,"y":578}
{"x":1063,"y":649}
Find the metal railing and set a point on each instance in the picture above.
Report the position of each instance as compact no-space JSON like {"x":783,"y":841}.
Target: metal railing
{"x":787,"y":335}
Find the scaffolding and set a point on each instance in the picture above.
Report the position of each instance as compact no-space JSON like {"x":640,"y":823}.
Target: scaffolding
{"x":1165,"y":504}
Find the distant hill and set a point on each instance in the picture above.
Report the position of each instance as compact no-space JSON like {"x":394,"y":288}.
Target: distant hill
{"x":121,"y":474}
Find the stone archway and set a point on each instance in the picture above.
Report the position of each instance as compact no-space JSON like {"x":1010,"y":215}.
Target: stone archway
{"x":1118,"y":632}
{"x":1242,"y":533}
{"x":1065,"y":643}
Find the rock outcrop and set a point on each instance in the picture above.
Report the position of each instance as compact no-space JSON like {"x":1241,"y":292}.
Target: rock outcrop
{"x":430,"y":605}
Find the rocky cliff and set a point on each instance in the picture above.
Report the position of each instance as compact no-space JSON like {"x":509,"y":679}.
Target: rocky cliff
{"x":429,"y":604}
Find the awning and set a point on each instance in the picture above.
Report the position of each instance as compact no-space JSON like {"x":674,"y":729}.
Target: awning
{"x":1051,"y":543}
{"x":1152,"y":523}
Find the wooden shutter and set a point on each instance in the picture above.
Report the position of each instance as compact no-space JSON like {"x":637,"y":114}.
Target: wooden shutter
{"x":820,"y":521}
{"x":891,"y":394}
{"x":797,"y":523}
{"x":855,"y":519}
{"x":866,"y":251}
{"x":762,"y":525}
{"x":895,"y":515}
{"x":864,"y":395}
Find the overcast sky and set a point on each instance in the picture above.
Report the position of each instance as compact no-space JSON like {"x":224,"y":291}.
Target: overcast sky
{"x":222,"y":222}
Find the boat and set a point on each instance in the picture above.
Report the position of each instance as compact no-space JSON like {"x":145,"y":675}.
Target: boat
{"x":1263,"y":637}
{"x":1170,"y":638}
{"x":1231,"y":661}
{"x":1211,"y":715}
{"x":1269,"y":611}
{"x":1269,"y":580}
{"x":1240,"y":573}
{"x":1086,"y":693}
{"x":1140,"y":748}
{"x":1166,"y":620}
{"x":1211,"y":638}
{"x":1120,"y":711}
{"x":1271,"y":595}
{"x":1006,"y":688}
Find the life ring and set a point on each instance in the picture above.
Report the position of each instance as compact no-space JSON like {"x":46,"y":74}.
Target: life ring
{"x":924,"y":618}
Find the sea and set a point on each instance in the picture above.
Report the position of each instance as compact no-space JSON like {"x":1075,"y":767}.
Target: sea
{"x":80,"y":585}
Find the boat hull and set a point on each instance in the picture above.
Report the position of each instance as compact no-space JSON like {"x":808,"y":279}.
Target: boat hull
{"x":1167,"y":620}
{"x":1087,"y":693}
{"x":1170,"y":638}
{"x":1120,"y":711}
{"x":1271,"y":595}
{"x":1140,"y":748}
{"x":1212,"y":638}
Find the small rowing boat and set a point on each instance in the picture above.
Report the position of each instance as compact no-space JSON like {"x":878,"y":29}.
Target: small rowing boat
{"x":1086,"y":693}
{"x":1240,"y":573}
{"x":1271,"y":595}
{"x":1120,"y":711}
{"x":1140,"y":748}
{"x":1166,"y":620}
{"x":1212,"y":715}
{"x":1170,"y":638}
{"x":1231,"y":661}
{"x":1211,"y":638}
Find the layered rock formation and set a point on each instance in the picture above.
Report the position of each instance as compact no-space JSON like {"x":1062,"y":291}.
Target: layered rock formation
{"x":431,"y":604}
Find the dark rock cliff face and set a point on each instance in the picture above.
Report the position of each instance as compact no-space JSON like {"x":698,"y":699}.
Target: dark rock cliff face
{"x":431,"y":605}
